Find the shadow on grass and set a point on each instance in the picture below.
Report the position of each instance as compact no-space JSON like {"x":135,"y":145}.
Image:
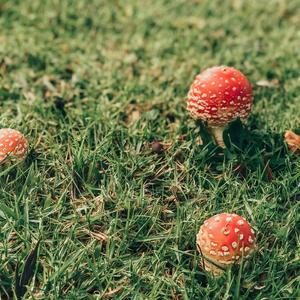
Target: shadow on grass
{"x":248,"y":149}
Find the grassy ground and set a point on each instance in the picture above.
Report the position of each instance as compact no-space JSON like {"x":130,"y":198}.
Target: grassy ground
{"x":92,"y":84}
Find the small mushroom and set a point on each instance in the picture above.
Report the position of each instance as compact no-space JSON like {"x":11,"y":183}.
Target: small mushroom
{"x":218,"y":96}
{"x":12,"y":143}
{"x":293,"y":141}
{"x":223,"y":240}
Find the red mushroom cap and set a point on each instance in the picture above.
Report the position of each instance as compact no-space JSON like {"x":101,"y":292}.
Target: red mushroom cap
{"x":225,"y":238}
{"x":219,"y":95}
{"x":12,"y":143}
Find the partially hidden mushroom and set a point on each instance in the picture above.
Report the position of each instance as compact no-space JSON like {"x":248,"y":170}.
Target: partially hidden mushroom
{"x":218,"y":96}
{"x":12,"y":144}
{"x":223,"y":240}
{"x":293,"y":141}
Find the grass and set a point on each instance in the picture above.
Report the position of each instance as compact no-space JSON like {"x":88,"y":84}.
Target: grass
{"x":92,"y":84}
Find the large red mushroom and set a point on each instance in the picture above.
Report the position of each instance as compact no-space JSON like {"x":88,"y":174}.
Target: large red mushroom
{"x":218,"y":96}
{"x":12,"y":144}
{"x":223,"y":240}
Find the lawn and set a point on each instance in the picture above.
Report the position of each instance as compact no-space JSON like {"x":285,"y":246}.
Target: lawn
{"x":92,"y":85}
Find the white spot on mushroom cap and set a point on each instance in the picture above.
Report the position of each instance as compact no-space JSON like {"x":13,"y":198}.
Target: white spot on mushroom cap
{"x":202,"y":240}
{"x":243,"y":249}
{"x":225,"y":248}
{"x":225,"y":231}
{"x":240,"y":222}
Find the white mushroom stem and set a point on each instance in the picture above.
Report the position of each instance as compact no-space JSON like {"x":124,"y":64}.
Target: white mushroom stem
{"x":217,"y":133}
{"x":212,"y":266}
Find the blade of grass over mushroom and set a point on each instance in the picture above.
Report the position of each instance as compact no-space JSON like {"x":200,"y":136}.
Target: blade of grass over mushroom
{"x":238,"y":279}
{"x":211,"y":261}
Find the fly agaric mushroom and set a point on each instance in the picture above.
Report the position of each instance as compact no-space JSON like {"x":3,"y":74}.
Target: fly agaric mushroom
{"x":223,"y":240}
{"x":218,"y":96}
{"x":12,"y":143}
